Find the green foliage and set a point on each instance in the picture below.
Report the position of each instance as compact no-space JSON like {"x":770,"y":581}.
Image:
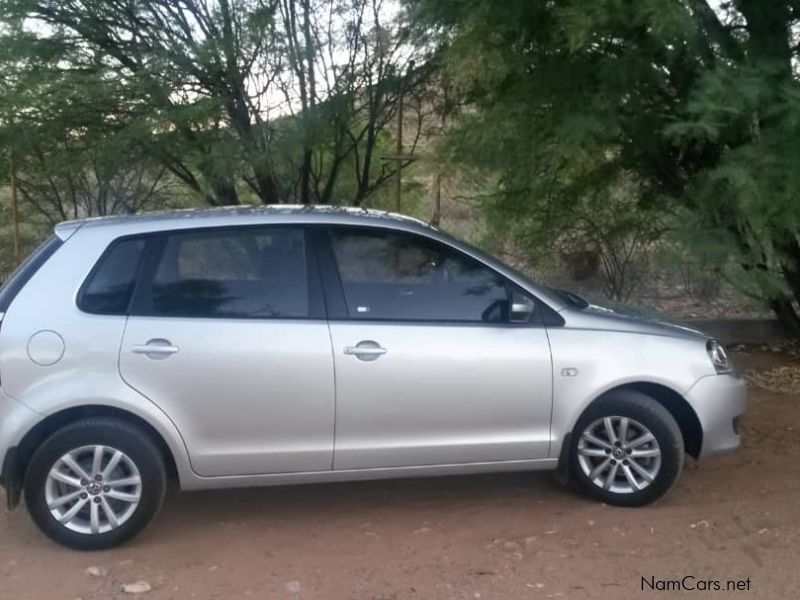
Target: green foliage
{"x":696,"y":105}
{"x":254,"y":100}
{"x":32,"y":232}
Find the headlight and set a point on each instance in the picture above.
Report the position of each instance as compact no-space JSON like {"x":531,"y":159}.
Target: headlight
{"x":719,"y":358}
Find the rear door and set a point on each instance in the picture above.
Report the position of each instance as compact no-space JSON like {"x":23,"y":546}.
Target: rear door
{"x":227,"y":334}
{"x":433,"y":364}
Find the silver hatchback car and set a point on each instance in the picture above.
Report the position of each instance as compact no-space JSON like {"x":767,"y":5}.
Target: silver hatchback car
{"x":283,"y":345}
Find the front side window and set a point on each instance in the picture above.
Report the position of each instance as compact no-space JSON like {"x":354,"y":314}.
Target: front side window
{"x":110,"y":286}
{"x":398,"y":276}
{"x":242,"y":273}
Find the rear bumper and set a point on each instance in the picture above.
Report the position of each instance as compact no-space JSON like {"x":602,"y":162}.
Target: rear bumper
{"x":719,"y":401}
{"x":16,"y":420}
{"x":11,"y":478}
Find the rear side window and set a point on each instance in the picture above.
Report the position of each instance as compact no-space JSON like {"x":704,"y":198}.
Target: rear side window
{"x":109,"y":288}
{"x":239,"y":273}
{"x":26,"y":270}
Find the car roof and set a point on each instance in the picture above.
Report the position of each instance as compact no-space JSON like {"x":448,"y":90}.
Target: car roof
{"x":242,"y":215}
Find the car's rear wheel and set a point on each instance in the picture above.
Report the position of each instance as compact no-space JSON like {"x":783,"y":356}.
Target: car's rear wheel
{"x":627,"y":449}
{"x":95,"y":483}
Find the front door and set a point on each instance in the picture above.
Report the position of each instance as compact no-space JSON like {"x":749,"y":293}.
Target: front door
{"x":227,"y":335}
{"x":433,"y":366}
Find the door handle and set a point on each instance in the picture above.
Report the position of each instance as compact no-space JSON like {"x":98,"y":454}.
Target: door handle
{"x":355,"y":351}
{"x":156,"y":349}
{"x":366,"y":350}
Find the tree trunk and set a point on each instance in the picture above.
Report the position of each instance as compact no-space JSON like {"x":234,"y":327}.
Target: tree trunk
{"x":791,"y":266}
{"x":769,"y":35}
{"x":267,"y":188}
{"x":436,"y":216}
{"x":305,"y":178}
{"x":224,"y":192}
{"x":787,"y":315}
{"x":310,"y":103}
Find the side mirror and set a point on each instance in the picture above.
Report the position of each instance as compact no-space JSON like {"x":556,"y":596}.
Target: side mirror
{"x":522,"y":308}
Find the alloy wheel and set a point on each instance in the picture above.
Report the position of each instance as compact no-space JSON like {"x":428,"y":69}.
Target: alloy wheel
{"x":93,"y":489}
{"x":619,"y":455}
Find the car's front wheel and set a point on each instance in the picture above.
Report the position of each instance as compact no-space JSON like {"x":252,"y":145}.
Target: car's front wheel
{"x":95,"y":483}
{"x":627,"y":449}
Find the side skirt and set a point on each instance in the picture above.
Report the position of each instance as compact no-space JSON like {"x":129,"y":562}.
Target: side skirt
{"x":204,"y":483}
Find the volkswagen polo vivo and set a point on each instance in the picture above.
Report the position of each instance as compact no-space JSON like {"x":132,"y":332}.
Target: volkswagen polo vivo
{"x":283,"y":345}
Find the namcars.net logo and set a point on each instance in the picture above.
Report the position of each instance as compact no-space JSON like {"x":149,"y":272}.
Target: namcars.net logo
{"x":690,"y":583}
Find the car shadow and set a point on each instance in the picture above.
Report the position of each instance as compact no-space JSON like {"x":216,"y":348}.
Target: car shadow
{"x":427,"y":497}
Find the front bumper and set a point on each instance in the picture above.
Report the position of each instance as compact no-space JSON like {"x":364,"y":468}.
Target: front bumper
{"x":719,"y":401}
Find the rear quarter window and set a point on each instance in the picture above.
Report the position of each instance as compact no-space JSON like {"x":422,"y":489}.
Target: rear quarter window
{"x":109,"y":287}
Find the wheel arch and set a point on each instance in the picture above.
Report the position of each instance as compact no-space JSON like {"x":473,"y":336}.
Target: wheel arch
{"x":21,"y":454}
{"x":680,"y":409}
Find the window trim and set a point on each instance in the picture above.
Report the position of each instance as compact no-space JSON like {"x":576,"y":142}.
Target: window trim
{"x":141,"y":301}
{"x":337,"y":302}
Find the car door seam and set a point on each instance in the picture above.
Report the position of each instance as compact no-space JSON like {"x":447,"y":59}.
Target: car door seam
{"x":552,"y":392}
{"x":335,"y":394}
{"x":146,"y":397}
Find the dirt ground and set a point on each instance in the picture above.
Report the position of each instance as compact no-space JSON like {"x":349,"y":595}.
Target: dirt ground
{"x":504,"y":536}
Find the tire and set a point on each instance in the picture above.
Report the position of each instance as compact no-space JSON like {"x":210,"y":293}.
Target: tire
{"x":642,"y":415}
{"x":122,"y":509}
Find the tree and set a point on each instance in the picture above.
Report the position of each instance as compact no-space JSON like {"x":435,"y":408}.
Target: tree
{"x":70,"y":160}
{"x":602,"y":235}
{"x":346,"y":66}
{"x":700,"y":105}
{"x":63,"y":175}
{"x":210,"y":90}
{"x":31,"y":233}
